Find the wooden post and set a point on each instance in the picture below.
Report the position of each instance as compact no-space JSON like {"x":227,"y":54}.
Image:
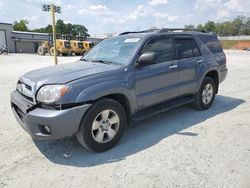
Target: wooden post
{"x":54,"y":33}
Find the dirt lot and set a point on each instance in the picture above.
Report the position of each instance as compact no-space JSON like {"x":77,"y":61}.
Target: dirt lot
{"x":179,"y":148}
{"x":235,"y":44}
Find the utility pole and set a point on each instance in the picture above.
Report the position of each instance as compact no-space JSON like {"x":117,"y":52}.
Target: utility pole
{"x":53,"y":9}
{"x":54,"y":33}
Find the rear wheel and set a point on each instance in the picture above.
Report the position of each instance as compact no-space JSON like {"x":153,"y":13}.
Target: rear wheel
{"x":102,"y":125}
{"x":206,"y":94}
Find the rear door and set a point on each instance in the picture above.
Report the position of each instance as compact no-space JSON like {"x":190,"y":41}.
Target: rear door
{"x":189,"y":63}
{"x":157,"y":82}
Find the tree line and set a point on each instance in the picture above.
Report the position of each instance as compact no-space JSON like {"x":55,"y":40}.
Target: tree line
{"x":238,"y":26}
{"x":61,"y":28}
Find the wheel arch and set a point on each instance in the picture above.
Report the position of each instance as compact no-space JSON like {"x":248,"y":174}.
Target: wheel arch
{"x":123,"y":100}
{"x":215,"y":76}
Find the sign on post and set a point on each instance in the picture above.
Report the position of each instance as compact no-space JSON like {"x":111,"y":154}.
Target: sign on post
{"x":48,"y":8}
{"x":52,"y":8}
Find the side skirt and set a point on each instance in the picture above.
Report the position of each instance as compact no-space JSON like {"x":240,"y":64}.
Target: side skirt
{"x":160,"y":108}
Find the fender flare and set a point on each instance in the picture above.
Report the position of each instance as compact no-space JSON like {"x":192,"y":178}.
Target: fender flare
{"x":100,"y":90}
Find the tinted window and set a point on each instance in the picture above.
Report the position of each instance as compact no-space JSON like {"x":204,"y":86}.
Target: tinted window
{"x":186,"y":48}
{"x":162,"y":47}
{"x":212,"y":43}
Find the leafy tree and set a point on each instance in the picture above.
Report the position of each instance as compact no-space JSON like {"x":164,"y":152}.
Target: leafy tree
{"x":200,"y":27}
{"x":247,"y":27}
{"x":60,"y":27}
{"x":209,"y":26}
{"x":238,"y":25}
{"x":47,"y":29}
{"x":227,"y":29}
{"x":68,"y":29}
{"x":189,"y":26}
{"x":80,"y":30}
{"x":21,"y":25}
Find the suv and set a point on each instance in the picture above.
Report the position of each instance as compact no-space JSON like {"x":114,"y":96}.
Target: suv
{"x":122,"y":79}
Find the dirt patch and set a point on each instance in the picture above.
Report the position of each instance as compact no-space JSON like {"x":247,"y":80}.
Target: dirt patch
{"x":233,"y":44}
{"x":242,"y":45}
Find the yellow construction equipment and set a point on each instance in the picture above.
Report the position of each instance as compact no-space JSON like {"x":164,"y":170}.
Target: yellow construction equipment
{"x":62,"y":45}
{"x":66,"y":46}
{"x":77,"y":46}
{"x":44,"y":48}
{"x":87,"y":45}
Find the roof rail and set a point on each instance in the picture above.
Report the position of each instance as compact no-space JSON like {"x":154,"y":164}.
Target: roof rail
{"x":181,"y":29}
{"x":163,"y":30}
{"x":134,"y":32}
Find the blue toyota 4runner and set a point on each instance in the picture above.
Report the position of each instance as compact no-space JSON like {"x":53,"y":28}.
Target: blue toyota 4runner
{"x":122,"y":79}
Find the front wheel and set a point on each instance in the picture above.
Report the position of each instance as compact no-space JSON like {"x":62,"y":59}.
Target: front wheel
{"x":205,"y":96}
{"x":102,"y":125}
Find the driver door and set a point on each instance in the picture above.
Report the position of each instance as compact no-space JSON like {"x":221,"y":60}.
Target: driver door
{"x":157,"y":82}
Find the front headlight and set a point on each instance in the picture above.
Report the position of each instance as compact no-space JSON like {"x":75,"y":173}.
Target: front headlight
{"x":51,"y":93}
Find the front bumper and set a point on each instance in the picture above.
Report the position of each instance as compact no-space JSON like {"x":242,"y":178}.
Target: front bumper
{"x":62,"y":123}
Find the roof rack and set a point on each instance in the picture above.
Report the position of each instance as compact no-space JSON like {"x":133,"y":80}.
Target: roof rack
{"x":163,"y":30}
{"x":181,"y":29}
{"x":134,"y":32}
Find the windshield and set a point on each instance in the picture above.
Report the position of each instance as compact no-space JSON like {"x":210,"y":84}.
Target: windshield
{"x":115,"y":50}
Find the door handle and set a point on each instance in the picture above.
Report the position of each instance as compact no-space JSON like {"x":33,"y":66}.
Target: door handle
{"x":173,"y":66}
{"x":199,"y":61}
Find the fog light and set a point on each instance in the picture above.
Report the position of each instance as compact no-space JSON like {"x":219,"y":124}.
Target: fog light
{"x":47,"y":128}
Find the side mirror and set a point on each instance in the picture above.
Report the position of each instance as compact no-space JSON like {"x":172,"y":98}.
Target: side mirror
{"x":147,"y":58}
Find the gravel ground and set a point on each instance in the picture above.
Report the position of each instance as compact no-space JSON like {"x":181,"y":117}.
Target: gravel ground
{"x":179,"y":148}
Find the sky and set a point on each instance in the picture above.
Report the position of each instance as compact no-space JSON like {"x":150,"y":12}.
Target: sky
{"x":113,"y":16}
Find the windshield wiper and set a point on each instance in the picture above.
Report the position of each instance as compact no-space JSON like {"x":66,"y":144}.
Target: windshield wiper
{"x":82,"y":59}
{"x":101,"y":61}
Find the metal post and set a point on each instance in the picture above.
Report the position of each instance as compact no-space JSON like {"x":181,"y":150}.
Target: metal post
{"x":54,"y":32}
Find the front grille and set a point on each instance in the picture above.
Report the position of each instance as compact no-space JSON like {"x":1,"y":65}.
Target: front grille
{"x":26,"y":97}
{"x":25,"y":90}
{"x":67,"y":44}
{"x":80,"y":45}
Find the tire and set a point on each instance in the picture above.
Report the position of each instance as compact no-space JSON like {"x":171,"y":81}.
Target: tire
{"x":206,"y":94}
{"x":78,"y":54}
{"x":52,"y":51}
{"x":65,"y":54}
{"x":41,"y":50}
{"x":97,"y":136}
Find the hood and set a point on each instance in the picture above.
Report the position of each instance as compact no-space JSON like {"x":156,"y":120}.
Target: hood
{"x":61,"y":74}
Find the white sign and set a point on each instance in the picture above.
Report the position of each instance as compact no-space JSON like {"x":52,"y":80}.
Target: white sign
{"x":47,"y":8}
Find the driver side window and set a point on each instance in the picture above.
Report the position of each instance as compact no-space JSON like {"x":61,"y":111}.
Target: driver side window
{"x":162,"y":47}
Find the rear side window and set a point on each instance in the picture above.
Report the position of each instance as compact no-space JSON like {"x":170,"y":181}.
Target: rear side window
{"x":212,"y":43}
{"x":186,"y":48}
{"x":162,"y":47}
